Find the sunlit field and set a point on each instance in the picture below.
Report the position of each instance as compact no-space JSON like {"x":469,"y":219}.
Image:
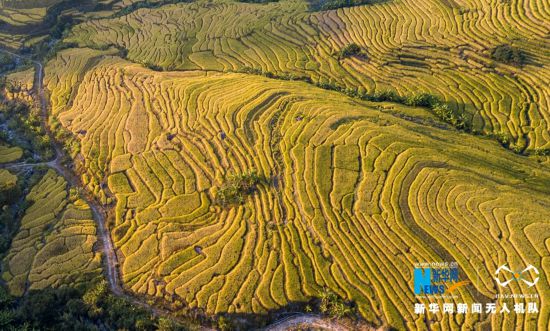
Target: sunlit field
{"x":227,"y":162}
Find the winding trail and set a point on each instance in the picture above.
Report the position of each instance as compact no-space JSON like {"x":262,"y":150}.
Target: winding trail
{"x":317,"y":322}
{"x":110,"y":259}
{"x":99,"y":213}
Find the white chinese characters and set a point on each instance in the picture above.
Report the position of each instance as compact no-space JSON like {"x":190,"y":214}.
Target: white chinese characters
{"x":476,"y":308}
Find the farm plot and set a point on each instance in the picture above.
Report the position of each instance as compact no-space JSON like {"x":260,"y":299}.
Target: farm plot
{"x":54,"y":245}
{"x":23,"y":12}
{"x":347,"y":190}
{"x":7,"y":180}
{"x":409,"y":46}
{"x":19,"y":86}
{"x":26,"y":23}
{"x":10,"y":154}
{"x":19,"y":18}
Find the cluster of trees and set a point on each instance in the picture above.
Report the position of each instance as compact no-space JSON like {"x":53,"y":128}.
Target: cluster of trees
{"x":67,"y":308}
{"x":25,"y":122}
{"x":334,"y":306}
{"x":236,"y":187}
{"x":508,"y":54}
{"x":144,"y":4}
{"x":71,"y":145}
{"x":270,"y":74}
{"x":9,"y":194}
{"x":258,"y":1}
{"x":7,"y":62}
{"x":335,"y":4}
{"x":351,"y":50}
{"x":8,"y":210}
{"x":439,"y":108}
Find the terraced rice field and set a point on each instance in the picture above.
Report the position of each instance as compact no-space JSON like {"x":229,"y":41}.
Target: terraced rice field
{"x":18,"y":18}
{"x":25,"y":23}
{"x":440,"y":47}
{"x":20,"y":86}
{"x":10,"y":154}
{"x":7,"y":180}
{"x":354,"y":194}
{"x":23,"y":12}
{"x":54,"y":245}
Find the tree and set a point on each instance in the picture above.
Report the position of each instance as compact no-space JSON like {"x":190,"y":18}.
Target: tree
{"x":334,"y":306}
{"x":508,"y":54}
{"x":351,"y":50}
{"x":237,"y":187}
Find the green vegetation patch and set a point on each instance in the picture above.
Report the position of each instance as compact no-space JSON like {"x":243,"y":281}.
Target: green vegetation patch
{"x":7,"y":180}
{"x":88,"y":308}
{"x":24,"y":127}
{"x":335,"y":4}
{"x":508,"y":54}
{"x":351,"y":50}
{"x":236,"y":187}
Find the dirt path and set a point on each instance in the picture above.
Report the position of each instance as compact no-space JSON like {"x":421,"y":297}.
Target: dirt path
{"x":99,"y":213}
{"x":299,"y":321}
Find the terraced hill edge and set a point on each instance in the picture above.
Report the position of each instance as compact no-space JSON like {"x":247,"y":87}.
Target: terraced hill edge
{"x":402,"y":53}
{"x":243,"y":122}
{"x":43,"y":193}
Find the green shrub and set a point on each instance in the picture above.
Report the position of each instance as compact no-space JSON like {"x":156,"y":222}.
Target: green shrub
{"x":422,"y":100}
{"x":25,"y":123}
{"x":351,"y":50}
{"x":334,"y":306}
{"x":386,"y":95}
{"x":236,"y":187}
{"x":224,"y":324}
{"x":508,"y":54}
{"x":541,"y":151}
{"x":258,"y":1}
{"x":7,"y":62}
{"x":503,"y":138}
{"x":335,"y":4}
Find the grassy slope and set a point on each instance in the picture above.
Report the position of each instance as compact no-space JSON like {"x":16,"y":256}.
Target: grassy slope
{"x":10,"y":154}
{"x":54,"y":244}
{"x":412,"y":46}
{"x":356,"y":188}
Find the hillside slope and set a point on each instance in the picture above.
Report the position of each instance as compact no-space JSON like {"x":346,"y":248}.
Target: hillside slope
{"x":353,"y":194}
{"x":410,"y":46}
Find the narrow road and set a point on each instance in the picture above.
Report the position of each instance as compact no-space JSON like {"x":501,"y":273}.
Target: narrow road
{"x":316,"y":322}
{"x":98,"y":211}
{"x":100,"y":215}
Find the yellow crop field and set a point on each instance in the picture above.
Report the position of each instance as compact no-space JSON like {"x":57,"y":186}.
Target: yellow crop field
{"x":20,"y":86}
{"x":20,"y":18}
{"x":10,"y":154}
{"x":410,"y":46}
{"x":275,"y":164}
{"x":54,"y":245}
{"x":23,"y":12}
{"x":7,"y":179}
{"x":352,"y":193}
